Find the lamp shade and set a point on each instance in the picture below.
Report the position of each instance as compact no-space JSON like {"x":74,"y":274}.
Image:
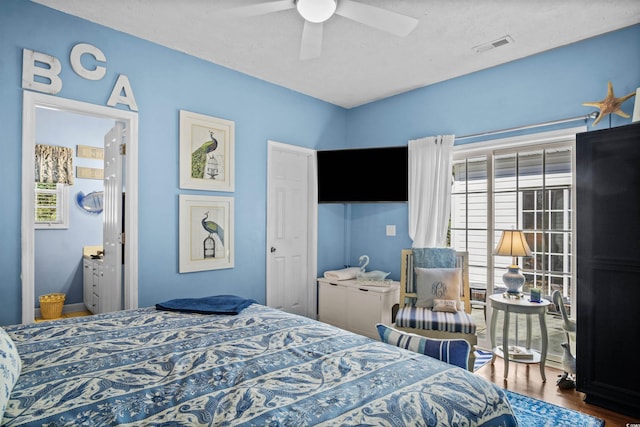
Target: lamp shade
{"x":316,"y":11}
{"x":513,"y":244}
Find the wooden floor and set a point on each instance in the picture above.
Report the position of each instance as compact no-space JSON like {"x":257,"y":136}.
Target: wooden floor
{"x":525,"y":379}
{"x":66,"y":315}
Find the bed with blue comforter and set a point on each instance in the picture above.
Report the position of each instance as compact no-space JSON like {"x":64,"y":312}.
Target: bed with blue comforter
{"x":260,"y":367}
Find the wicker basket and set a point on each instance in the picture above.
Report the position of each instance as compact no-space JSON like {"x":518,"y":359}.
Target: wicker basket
{"x":51,"y":305}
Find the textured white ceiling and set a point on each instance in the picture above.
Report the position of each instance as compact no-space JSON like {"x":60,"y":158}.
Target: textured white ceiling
{"x":360,"y":64}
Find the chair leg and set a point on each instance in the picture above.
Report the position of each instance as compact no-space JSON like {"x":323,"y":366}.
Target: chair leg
{"x":394,"y":312}
{"x":472,"y":359}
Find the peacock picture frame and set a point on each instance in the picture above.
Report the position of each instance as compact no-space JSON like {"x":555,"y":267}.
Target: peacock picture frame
{"x":207,"y":146}
{"x":206,"y":233}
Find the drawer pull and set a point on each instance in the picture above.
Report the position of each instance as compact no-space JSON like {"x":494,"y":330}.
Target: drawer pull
{"x":364,"y":290}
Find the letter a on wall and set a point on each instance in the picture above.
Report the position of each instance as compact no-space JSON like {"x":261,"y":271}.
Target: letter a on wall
{"x":49,"y":81}
{"x":122,"y":94}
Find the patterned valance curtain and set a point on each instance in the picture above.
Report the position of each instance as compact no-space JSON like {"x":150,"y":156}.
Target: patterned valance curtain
{"x":54,"y":164}
{"x":430,"y":167}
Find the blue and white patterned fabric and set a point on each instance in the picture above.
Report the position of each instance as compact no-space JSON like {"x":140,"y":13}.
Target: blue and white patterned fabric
{"x":425,"y":318}
{"x":451,"y":351}
{"x":260,"y":367}
{"x":434,"y":257}
{"x":10,"y":366}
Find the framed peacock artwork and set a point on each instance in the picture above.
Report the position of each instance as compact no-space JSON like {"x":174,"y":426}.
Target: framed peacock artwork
{"x":206,"y":152}
{"x":205,"y":233}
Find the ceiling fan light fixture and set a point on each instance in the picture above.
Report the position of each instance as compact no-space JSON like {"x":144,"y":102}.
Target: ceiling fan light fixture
{"x":316,"y":11}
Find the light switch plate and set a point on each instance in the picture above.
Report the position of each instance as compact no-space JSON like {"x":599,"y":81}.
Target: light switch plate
{"x":391,"y":230}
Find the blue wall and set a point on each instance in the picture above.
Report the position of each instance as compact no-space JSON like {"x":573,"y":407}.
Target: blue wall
{"x":544,"y":87}
{"x":58,"y":252}
{"x":163,"y":81}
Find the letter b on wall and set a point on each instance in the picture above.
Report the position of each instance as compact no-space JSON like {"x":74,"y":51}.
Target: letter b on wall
{"x":46,"y":67}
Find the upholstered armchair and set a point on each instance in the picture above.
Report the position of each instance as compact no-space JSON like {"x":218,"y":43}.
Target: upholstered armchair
{"x":435,"y":296}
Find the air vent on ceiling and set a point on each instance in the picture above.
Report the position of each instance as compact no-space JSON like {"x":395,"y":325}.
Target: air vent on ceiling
{"x":492,"y":45}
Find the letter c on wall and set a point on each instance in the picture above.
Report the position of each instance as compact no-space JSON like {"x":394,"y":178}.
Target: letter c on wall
{"x":75,"y":58}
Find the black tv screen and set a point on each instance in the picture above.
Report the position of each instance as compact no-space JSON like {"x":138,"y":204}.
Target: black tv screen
{"x":363,"y":175}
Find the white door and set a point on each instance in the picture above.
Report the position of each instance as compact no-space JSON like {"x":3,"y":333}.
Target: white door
{"x":291,"y":229}
{"x":110,"y":291}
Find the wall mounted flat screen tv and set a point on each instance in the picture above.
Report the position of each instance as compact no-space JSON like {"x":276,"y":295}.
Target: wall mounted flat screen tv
{"x":363,"y":175}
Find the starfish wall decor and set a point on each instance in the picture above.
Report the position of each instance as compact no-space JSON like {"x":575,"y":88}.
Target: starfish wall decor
{"x":609,"y":105}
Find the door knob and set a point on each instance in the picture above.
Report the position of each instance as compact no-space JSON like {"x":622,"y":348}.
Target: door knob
{"x":273,"y":249}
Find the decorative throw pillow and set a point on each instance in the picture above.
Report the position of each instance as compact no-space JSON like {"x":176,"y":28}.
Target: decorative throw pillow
{"x":437,"y":283}
{"x":454,"y":352}
{"x":10,"y":367}
{"x":445,"y":305}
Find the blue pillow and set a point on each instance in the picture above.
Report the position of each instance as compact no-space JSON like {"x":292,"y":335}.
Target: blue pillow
{"x":454,"y":352}
{"x":10,"y":367}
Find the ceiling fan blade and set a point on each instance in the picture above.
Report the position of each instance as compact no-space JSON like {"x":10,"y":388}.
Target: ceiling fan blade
{"x":262,"y":8}
{"x":311,"y":43}
{"x":381,"y":19}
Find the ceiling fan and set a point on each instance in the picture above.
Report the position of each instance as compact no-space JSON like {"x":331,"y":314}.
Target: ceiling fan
{"x":316,"y":12}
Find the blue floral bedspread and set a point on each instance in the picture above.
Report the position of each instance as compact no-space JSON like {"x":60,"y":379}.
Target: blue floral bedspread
{"x":262,"y":367}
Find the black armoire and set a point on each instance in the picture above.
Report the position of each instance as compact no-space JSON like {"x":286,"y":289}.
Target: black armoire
{"x":608,"y":273}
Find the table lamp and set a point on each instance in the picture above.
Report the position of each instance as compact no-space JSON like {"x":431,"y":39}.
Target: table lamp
{"x":513,"y":244}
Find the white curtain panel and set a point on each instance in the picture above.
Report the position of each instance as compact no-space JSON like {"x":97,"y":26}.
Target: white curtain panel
{"x":430,"y":168}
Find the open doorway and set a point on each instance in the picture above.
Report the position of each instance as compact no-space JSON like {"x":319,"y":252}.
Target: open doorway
{"x":63,"y":238}
{"x":34,"y":104}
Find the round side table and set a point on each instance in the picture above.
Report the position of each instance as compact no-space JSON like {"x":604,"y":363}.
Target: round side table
{"x":519,"y":305}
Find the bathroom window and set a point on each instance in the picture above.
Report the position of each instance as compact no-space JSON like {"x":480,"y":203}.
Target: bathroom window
{"x":51,"y":205}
